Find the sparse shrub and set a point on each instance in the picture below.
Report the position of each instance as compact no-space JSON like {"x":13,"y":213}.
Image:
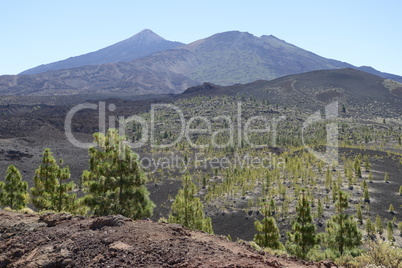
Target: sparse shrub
{"x":275,"y":252}
{"x":162,"y":220}
{"x":380,"y":254}
{"x":318,"y":254}
{"x":346,"y":260}
{"x":253,"y":245}
{"x":26,"y":211}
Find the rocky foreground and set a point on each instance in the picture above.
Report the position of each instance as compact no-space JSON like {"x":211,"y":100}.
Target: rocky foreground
{"x":61,"y":240}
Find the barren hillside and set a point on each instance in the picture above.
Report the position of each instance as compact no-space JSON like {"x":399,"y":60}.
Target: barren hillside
{"x":60,"y":240}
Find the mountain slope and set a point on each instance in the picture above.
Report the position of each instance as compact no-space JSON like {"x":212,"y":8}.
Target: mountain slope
{"x":142,"y":44}
{"x":362,"y":93}
{"x":239,"y":57}
{"x":371,"y":70}
{"x":225,"y":59}
{"x":144,"y":77}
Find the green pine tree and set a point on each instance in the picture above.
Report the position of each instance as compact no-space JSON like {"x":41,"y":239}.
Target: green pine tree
{"x":366,"y":195}
{"x":364,"y":184}
{"x":115,"y":182}
{"x":358,"y":172}
{"x":391,"y":209}
{"x":64,"y":199}
{"x":343,"y":109}
{"x":386,"y":177}
{"x":370,"y":228}
{"x":359,"y":214}
{"x":367,"y":165}
{"x":400,"y":228}
{"x":188,"y":210}
{"x":370,"y":177}
{"x":1,"y":192}
{"x":14,"y":192}
{"x":272,"y":207}
{"x":342,"y":231}
{"x":390,"y":232}
{"x":45,"y":182}
{"x":303,"y":236}
{"x":320,"y":208}
{"x":267,"y":232}
{"x":51,"y":191}
{"x":378,"y":225}
{"x":356,"y":165}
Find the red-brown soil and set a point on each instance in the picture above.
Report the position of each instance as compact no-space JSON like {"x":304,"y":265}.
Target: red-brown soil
{"x":61,"y":240}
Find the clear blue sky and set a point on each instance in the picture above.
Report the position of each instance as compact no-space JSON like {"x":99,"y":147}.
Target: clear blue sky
{"x":359,"y":32}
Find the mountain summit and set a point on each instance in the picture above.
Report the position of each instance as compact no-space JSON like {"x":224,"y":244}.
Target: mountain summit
{"x":146,"y":36}
{"x":240,"y":57}
{"x":142,"y":44}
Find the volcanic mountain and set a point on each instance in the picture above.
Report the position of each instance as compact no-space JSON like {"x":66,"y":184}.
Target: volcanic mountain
{"x":225,"y":59}
{"x":142,"y":44}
